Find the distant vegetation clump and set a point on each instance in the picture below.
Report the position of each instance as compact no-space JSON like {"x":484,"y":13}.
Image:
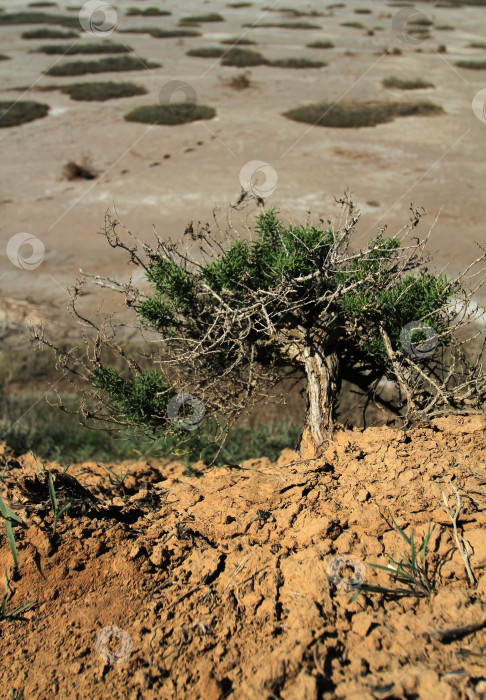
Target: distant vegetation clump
{"x":239,"y":5}
{"x":92,"y":48}
{"x":79,"y":171}
{"x":406,"y":84}
{"x":207,"y":52}
{"x":356,"y":25}
{"x":242,"y":81}
{"x":473,"y":65}
{"x":15,"y":113}
{"x":170,"y":115}
{"x":362,"y":11}
{"x":100,"y":92}
{"x":287,"y":25}
{"x":197,"y":19}
{"x":48,"y":34}
{"x":161,"y":33}
{"x":354,"y":114}
{"x":296,"y":63}
{"x":243,"y":58}
{"x":103,"y":65}
{"x":477,"y":45}
{"x":147,"y":12}
{"x":3,"y":57}
{"x":321,"y":44}
{"x":238,"y":41}
{"x":12,"y":18}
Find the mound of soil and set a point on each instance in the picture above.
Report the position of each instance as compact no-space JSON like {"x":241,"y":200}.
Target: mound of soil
{"x":238,"y":582}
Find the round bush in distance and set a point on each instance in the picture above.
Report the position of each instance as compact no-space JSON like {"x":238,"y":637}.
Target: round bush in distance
{"x":170,"y":115}
{"x":100,"y":92}
{"x":14,"y":113}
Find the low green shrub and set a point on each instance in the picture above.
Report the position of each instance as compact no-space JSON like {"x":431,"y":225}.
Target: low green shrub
{"x":103,"y":65}
{"x":322,"y":44}
{"x":477,"y":45}
{"x":207,"y":52}
{"x":238,"y":41}
{"x":48,"y":34}
{"x":95,"y":47}
{"x":170,"y":115}
{"x":356,"y":25}
{"x":15,"y":113}
{"x":473,"y":65}
{"x":406,"y":84}
{"x":147,"y":12}
{"x":243,"y":58}
{"x":362,"y":11}
{"x":296,"y":63}
{"x":355,"y":115}
{"x":4,"y":58}
{"x":161,"y":33}
{"x":11,"y":18}
{"x":287,"y":25}
{"x":197,"y":19}
{"x":100,"y":92}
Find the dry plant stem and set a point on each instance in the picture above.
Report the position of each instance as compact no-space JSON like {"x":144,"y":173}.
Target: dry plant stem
{"x":453,"y":633}
{"x":453,"y":515}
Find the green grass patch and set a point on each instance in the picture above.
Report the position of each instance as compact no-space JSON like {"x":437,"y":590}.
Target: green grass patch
{"x":147,"y":12}
{"x":161,"y":33}
{"x":170,"y":115}
{"x":421,"y":22}
{"x":362,"y":11}
{"x":94,"y":47}
{"x":103,"y":65}
{"x":197,"y":19}
{"x":238,"y":41}
{"x":286,"y":25}
{"x":42,"y":4}
{"x":296,"y":63}
{"x":15,"y":113}
{"x":355,"y":115}
{"x":406,"y":84}
{"x":243,"y":58}
{"x":12,"y":18}
{"x":321,"y":44}
{"x":99,"y":92}
{"x":445,"y":27}
{"x":352,"y":23}
{"x":240,"y":5}
{"x":472,"y":65}
{"x":48,"y":34}
{"x":207,"y":52}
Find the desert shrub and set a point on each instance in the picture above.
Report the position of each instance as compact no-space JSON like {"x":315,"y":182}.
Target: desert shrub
{"x":161,"y":33}
{"x":100,"y":92}
{"x":477,"y":45}
{"x":42,"y":4}
{"x":243,"y":58}
{"x":242,"y":81}
{"x":3,"y":57}
{"x":322,"y":44}
{"x":207,"y":52}
{"x":238,"y":41}
{"x":147,"y":12}
{"x":354,"y":114}
{"x":170,"y":115}
{"x":48,"y":34}
{"x":352,"y":23}
{"x":473,"y":65}
{"x":406,"y":84}
{"x":420,"y":22}
{"x":92,"y":48}
{"x":103,"y":65}
{"x":15,"y":113}
{"x":12,"y":18}
{"x":79,"y":171}
{"x":445,"y":27}
{"x":240,"y":5}
{"x":196,"y":19}
{"x":296,"y":63}
{"x":287,"y":25}
{"x":362,"y":11}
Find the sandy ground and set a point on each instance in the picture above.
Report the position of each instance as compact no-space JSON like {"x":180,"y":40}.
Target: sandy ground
{"x":238,"y":583}
{"x":435,"y":162}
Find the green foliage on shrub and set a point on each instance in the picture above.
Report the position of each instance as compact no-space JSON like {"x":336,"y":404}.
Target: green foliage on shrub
{"x":472,"y":65}
{"x":406,"y":84}
{"x":3,"y":57}
{"x":286,"y":25}
{"x":15,"y":113}
{"x":147,"y":12}
{"x":355,"y":115}
{"x":103,"y":65}
{"x":352,"y":23}
{"x":238,"y":41}
{"x":297,"y":63}
{"x":321,"y":44}
{"x":207,"y":52}
{"x":170,"y":115}
{"x":243,"y":57}
{"x":161,"y":33}
{"x":92,"y":48}
{"x":12,"y":18}
{"x":48,"y":34}
{"x":196,"y":19}
{"x":100,"y":92}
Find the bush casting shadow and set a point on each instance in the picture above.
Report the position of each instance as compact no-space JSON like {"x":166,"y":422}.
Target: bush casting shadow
{"x":170,"y":115}
{"x":14,"y":113}
{"x":100,"y":92}
{"x":93,"y":48}
{"x":103,"y":65}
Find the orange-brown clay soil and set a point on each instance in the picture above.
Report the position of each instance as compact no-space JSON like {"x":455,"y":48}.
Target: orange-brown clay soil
{"x":229,"y":584}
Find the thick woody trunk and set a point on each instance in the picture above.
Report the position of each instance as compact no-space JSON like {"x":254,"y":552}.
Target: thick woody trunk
{"x":323,"y":385}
